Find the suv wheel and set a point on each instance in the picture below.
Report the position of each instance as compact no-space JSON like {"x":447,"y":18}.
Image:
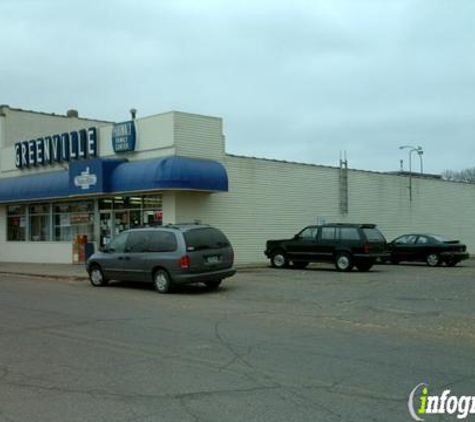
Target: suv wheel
{"x":162,"y":281}
{"x":96,"y":277}
{"x":343,"y":262}
{"x":279,"y":260}
{"x":213,"y":285}
{"x":433,"y":260}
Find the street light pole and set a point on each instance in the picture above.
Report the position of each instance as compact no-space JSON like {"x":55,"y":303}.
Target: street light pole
{"x":419,"y":151}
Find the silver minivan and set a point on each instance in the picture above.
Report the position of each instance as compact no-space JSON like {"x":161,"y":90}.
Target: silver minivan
{"x":167,"y":256}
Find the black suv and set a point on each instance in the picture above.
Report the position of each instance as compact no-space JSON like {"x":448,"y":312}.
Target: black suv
{"x":346,"y":245}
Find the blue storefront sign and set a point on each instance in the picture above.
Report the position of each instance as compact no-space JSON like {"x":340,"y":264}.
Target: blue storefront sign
{"x":124,"y":136}
{"x":91,"y":176}
{"x":58,"y":148}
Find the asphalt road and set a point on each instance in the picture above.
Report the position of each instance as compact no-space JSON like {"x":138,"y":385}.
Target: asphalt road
{"x":270,"y":345}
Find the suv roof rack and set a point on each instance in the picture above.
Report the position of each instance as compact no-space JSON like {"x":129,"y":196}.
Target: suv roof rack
{"x":364,"y":225}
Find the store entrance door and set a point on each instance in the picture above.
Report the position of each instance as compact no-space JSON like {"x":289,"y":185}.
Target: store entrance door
{"x":106,"y":228}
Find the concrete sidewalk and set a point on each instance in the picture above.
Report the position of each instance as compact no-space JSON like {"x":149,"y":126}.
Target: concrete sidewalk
{"x":60,"y":271}
{"x":67,"y":271}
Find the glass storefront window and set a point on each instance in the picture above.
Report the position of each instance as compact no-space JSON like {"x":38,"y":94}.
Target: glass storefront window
{"x":152,"y":214}
{"x":63,"y":221}
{"x":127,"y":202}
{"x":40,"y":226}
{"x":73,"y":219}
{"x":152,"y":202}
{"x":105,"y":204}
{"x":121,"y":213}
{"x":16,"y":223}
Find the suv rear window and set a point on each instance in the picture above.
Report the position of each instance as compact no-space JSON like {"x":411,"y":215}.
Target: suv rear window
{"x":373,"y":235}
{"x":207,"y":238}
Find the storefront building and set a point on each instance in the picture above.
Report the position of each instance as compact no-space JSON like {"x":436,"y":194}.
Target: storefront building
{"x":63,"y":176}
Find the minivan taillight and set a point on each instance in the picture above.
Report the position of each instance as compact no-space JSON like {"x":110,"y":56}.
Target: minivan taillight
{"x":185,"y":262}
{"x":366,"y":248}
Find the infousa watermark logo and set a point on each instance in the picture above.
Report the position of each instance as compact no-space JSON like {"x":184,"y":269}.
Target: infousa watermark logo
{"x":421,"y":403}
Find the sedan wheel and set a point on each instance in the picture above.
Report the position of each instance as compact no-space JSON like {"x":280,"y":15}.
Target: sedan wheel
{"x":96,"y":277}
{"x":432,"y":260}
{"x":161,"y":281}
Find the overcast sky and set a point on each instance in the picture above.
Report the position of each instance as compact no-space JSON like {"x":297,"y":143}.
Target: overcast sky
{"x":294,"y":80}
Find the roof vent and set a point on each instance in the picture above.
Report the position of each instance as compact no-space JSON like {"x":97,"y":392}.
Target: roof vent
{"x":72,"y":113}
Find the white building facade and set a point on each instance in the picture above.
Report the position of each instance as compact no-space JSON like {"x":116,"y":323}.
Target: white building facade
{"x":64,"y":176}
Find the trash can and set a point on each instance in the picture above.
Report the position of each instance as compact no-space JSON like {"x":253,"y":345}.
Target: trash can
{"x":88,"y":249}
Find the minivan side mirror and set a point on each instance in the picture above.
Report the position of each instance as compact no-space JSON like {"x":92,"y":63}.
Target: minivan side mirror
{"x":297,"y":236}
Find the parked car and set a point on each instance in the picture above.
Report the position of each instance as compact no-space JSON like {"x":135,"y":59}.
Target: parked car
{"x":166,"y":256}
{"x":429,"y":248}
{"x":346,"y":245}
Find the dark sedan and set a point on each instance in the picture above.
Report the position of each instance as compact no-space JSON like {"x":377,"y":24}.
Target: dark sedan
{"x":429,"y":248}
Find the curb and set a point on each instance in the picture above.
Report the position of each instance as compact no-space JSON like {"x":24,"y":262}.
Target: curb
{"x":50,"y":276}
{"x":242,"y":267}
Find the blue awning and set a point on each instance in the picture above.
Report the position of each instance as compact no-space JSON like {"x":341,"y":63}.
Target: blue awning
{"x":170,"y":173}
{"x":37,"y":187}
{"x":97,"y":176}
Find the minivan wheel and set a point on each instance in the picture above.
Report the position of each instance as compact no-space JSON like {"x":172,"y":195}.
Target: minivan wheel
{"x":279,"y":260}
{"x":96,"y":277}
{"x":432,"y":260}
{"x":213,"y":285}
{"x":162,"y":281}
{"x":343,"y":262}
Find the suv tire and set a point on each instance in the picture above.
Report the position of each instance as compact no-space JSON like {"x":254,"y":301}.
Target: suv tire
{"x":96,"y":277}
{"x":162,"y":281}
{"x":343,"y":262}
{"x":279,"y":260}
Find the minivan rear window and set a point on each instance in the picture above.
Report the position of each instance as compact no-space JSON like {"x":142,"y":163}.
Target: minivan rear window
{"x":161,"y":241}
{"x":207,"y":238}
{"x":374,"y":235}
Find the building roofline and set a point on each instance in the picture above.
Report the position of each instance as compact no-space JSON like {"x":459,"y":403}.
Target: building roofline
{"x":43,"y":113}
{"x":425,"y":176}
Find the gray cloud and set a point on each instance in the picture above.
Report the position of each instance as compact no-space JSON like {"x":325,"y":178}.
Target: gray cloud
{"x":295,"y":80}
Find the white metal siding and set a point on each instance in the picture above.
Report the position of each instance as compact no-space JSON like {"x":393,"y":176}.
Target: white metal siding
{"x":271,"y":200}
{"x":198,"y":136}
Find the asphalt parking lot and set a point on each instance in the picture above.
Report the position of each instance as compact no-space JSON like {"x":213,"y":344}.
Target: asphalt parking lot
{"x":269,"y":345}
